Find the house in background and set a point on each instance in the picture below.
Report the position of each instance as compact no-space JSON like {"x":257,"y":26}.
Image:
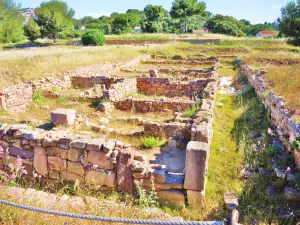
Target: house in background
{"x":137,"y":30}
{"x":266,"y":34}
{"x":27,"y":14}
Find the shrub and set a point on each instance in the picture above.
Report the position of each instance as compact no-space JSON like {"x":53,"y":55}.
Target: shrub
{"x":93,"y":37}
{"x":191,"y":112}
{"x":150,"y":142}
{"x":38,"y":98}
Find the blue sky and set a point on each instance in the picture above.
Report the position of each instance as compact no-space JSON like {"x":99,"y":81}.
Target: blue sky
{"x":257,"y":11}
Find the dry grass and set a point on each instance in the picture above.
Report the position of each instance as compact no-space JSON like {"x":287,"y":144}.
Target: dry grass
{"x":284,"y":80}
{"x":25,"y":69}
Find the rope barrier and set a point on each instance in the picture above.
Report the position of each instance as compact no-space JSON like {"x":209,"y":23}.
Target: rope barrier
{"x":105,"y":219}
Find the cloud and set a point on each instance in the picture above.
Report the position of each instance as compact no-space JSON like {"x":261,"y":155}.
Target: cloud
{"x":98,"y":14}
{"x":276,"y":6}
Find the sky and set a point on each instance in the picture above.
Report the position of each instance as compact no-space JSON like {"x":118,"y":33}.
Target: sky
{"x":256,"y":11}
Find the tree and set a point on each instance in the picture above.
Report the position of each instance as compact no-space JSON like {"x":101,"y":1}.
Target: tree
{"x":32,"y":30}
{"x":290,"y":21}
{"x":227,"y":27}
{"x":185,"y":9}
{"x":124,"y":23}
{"x":153,"y":22}
{"x":211,"y":23}
{"x":11,"y":22}
{"x":85,"y":20}
{"x":53,"y":17}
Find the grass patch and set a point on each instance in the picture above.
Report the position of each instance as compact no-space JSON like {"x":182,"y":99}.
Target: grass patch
{"x":4,"y":112}
{"x":150,"y":142}
{"x":38,"y":98}
{"x":191,"y":112}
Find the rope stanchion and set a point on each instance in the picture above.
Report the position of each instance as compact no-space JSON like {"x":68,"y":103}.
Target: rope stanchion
{"x":105,"y":219}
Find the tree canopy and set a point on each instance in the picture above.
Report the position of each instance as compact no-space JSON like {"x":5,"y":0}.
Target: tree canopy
{"x":124,"y":23}
{"x":53,"y":17}
{"x":185,"y":9}
{"x":290,"y":21}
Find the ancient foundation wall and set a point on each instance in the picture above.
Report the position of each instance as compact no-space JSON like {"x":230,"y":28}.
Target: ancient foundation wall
{"x":279,"y":115}
{"x":101,"y":164}
{"x":163,"y":86}
{"x":145,"y":106}
{"x":175,"y":130}
{"x":120,"y":89}
{"x":17,"y":97}
{"x":142,"y":42}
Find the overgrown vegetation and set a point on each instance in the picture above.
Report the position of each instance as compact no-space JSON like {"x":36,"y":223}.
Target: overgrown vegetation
{"x":93,"y":37}
{"x":150,"y":142}
{"x":191,"y":112}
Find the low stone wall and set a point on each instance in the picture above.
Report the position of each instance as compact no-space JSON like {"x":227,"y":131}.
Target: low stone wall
{"x":278,"y":113}
{"x":120,"y":89}
{"x":16,"y":97}
{"x":48,"y":83}
{"x":145,"y":106}
{"x":91,"y":81}
{"x":163,"y":86}
{"x":175,"y":130}
{"x":101,"y":164}
{"x":143,"y":42}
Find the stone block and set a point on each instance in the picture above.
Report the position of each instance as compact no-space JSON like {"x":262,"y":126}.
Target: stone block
{"x":109,"y":146}
{"x":40,"y":161}
{"x":231,"y":200}
{"x":79,"y":144}
{"x":173,"y":196}
{"x":196,"y":165}
{"x":101,"y":178}
{"x":71,"y":177}
{"x":20,"y":152}
{"x":74,"y":155}
{"x":100,"y":159}
{"x":95,"y":144}
{"x":124,"y":172}
{"x":201,"y":133}
{"x":153,"y":73}
{"x":2,"y":102}
{"x":63,"y":116}
{"x":55,"y":163}
{"x":76,"y":168}
{"x":196,"y":198}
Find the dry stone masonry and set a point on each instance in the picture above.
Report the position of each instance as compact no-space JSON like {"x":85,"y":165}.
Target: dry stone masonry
{"x":105,"y":164}
{"x":278,"y":112}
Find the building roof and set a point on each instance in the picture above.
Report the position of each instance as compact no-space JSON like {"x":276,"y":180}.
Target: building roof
{"x":264,"y":32}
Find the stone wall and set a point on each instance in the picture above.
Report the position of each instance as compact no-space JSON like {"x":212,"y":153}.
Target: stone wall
{"x":163,"y":86}
{"x":101,"y":164}
{"x":280,"y":116}
{"x":91,"y":81}
{"x":144,"y":42}
{"x":17,"y":97}
{"x":145,"y":106}
{"x":120,"y":89}
{"x":175,"y":130}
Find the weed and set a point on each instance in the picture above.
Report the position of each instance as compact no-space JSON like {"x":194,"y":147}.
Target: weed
{"x":191,"y":112}
{"x":146,"y":199}
{"x":150,"y":142}
{"x":38,"y":98}
{"x":4,"y":112}
{"x":62,"y":100}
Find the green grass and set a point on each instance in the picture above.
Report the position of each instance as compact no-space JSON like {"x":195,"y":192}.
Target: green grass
{"x":150,"y":142}
{"x":191,"y":112}
{"x":38,"y":98}
{"x":4,"y":112}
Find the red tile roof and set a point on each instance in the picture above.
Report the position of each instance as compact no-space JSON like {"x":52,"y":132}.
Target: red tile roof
{"x":264,"y":32}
